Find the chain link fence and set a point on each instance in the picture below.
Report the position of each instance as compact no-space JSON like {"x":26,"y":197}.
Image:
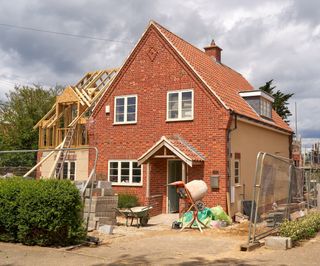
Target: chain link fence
{"x":278,"y":194}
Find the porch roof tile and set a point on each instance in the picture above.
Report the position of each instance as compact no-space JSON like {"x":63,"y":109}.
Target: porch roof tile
{"x":178,"y":146}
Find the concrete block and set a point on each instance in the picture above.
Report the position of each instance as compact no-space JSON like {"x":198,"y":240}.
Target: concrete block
{"x":92,"y":209}
{"x":104,"y":185}
{"x":93,"y":225}
{"x":107,"y":192}
{"x":110,"y":214}
{"x":106,"y":229}
{"x":278,"y":242}
{"x":106,"y":221}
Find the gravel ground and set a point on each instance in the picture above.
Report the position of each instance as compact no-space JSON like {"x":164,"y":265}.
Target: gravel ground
{"x":157,"y":244}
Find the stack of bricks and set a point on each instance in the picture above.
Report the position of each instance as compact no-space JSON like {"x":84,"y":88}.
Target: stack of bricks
{"x":102,"y":210}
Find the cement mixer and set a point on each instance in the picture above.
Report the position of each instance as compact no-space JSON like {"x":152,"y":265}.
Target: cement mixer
{"x":193,"y":193}
{"x":197,"y":189}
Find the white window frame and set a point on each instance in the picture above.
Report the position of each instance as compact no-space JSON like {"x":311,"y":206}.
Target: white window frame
{"x":125,"y":109}
{"x":265,"y":108}
{"x":130,"y":184}
{"x":239,"y":172}
{"x":69,"y":167}
{"x":180,"y":105}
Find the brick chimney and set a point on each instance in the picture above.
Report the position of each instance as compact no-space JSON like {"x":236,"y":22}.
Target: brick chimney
{"x":213,"y":51}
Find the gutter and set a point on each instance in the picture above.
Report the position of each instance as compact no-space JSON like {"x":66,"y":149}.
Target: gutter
{"x":234,"y":117}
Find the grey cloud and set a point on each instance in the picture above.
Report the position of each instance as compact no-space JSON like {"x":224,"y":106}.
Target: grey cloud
{"x":262,"y":40}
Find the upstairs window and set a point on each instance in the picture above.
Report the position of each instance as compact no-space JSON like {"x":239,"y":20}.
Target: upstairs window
{"x":125,"y":109}
{"x":265,"y":108}
{"x":260,"y":101}
{"x":180,"y":105}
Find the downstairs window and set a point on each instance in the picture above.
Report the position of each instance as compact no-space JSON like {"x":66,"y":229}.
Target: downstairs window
{"x":124,"y":172}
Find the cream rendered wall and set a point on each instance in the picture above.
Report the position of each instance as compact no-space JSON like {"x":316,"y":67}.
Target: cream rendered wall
{"x":82,"y":157}
{"x":249,"y":140}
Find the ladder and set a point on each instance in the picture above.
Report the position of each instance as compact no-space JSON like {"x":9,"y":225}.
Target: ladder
{"x":62,"y":155}
{"x":89,"y":90}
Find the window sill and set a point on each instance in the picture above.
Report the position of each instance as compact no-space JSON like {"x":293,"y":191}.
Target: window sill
{"x":125,"y":123}
{"x":269,"y":119}
{"x":237,"y":185}
{"x":126,"y":185}
{"x":179,"y":120}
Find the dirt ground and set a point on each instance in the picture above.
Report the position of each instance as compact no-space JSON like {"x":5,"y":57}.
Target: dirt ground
{"x":157,"y":244}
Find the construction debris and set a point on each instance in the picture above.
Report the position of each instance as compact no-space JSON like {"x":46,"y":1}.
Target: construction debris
{"x":240,"y":218}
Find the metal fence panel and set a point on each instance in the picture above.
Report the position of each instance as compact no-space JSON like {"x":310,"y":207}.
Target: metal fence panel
{"x":277,"y":194}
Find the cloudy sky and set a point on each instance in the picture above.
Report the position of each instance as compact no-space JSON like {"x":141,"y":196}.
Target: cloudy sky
{"x":263,"y":40}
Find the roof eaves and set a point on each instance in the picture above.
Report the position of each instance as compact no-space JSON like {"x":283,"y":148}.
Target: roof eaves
{"x":167,"y":143}
{"x":268,"y":124}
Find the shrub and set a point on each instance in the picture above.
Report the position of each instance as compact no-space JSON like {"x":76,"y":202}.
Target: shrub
{"x":40,"y":212}
{"x":127,"y":201}
{"x":303,"y":228}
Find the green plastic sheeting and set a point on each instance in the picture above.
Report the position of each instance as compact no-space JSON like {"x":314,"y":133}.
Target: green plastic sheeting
{"x":206,"y":216}
{"x":220,"y":214}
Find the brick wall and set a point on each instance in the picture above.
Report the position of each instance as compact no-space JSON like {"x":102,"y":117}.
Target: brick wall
{"x":150,"y":79}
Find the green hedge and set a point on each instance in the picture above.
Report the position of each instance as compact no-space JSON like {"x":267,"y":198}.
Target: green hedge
{"x":40,"y":212}
{"x":127,"y":200}
{"x":303,"y":228}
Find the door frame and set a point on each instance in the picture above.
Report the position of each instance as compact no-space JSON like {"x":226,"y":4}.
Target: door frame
{"x":183,"y":178}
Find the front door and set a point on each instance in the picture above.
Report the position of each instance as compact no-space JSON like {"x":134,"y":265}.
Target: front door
{"x":174,"y":174}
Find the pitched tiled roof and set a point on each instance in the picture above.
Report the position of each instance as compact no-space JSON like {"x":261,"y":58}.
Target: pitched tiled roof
{"x":224,"y":82}
{"x":185,"y":147}
{"x":178,"y":146}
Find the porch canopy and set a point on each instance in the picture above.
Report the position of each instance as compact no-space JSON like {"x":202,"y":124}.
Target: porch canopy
{"x":178,"y":148}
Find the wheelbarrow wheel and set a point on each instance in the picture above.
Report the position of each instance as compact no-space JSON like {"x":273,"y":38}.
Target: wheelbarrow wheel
{"x":144,"y":220}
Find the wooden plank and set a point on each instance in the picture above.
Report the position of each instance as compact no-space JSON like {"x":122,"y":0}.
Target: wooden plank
{"x":96,"y":77}
{"x":86,"y":95}
{"x":81,"y":96}
{"x":148,"y":181}
{"x":42,"y":161}
{"x":68,"y":96}
{"x":54,"y":120}
{"x":165,"y":156}
{"x":46,"y":115}
{"x":228,"y":204}
{"x":59,"y":116}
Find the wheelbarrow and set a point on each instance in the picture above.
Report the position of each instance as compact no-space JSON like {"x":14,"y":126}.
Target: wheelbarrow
{"x":141,"y":214}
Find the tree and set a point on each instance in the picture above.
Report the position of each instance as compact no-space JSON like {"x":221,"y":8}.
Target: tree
{"x":23,"y":108}
{"x":280,"y":104}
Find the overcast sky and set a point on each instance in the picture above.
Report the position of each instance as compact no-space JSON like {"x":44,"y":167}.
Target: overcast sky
{"x":263,"y":40}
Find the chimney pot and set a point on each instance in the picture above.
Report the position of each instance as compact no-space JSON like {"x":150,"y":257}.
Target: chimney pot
{"x":213,"y":51}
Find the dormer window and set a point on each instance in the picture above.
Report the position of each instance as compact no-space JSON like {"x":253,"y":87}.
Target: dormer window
{"x":260,"y":101}
{"x":265,"y":108}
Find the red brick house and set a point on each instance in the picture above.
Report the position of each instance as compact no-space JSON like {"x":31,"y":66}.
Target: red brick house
{"x":175,"y":112}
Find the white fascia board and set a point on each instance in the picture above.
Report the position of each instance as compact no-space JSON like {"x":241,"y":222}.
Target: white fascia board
{"x":246,"y":94}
